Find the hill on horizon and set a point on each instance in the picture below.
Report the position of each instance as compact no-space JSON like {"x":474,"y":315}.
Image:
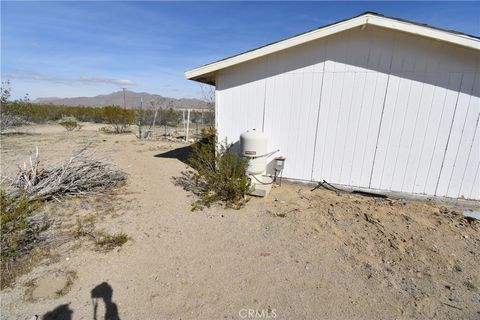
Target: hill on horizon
{"x":133,"y":100}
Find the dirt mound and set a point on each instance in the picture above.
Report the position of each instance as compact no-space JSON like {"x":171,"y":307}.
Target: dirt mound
{"x":425,"y":252}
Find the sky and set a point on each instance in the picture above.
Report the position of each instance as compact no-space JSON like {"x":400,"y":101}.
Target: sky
{"x":69,"y":49}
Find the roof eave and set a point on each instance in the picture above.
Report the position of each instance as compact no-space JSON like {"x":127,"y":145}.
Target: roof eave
{"x":204,"y":72}
{"x":205,"y":78}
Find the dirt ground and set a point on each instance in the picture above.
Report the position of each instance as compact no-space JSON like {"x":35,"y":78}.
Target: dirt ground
{"x":297,"y":254}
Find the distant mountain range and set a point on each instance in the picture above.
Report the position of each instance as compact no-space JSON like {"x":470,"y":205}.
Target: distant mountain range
{"x":132,"y":99}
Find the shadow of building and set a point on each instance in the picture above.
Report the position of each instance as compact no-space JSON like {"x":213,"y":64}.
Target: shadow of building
{"x":181,"y":154}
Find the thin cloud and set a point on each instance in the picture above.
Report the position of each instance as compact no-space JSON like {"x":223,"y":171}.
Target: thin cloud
{"x":78,"y":80}
{"x":30,"y":76}
{"x":121,"y":82}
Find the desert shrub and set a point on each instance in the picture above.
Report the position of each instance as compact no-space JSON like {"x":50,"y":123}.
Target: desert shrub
{"x":85,"y":226}
{"x":70,"y":124}
{"x":10,"y":121}
{"x":219,"y":174}
{"x":43,"y":113}
{"x":12,"y":115}
{"x":203,"y":152}
{"x":17,"y":232}
{"x":21,"y":112}
{"x":110,"y":241}
{"x":119,"y":118}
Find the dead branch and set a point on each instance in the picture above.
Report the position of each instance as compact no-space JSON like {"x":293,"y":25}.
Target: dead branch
{"x":81,"y":174}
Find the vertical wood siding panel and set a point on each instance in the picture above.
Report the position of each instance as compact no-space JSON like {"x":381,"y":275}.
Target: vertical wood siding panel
{"x":441,"y":134}
{"x":412,"y":135}
{"x":291,"y":128}
{"x":406,"y":135}
{"x":335,"y":103}
{"x":475,"y":192}
{"x":460,"y":140}
{"x":323,"y":122}
{"x":470,"y":188}
{"x":343,"y":108}
{"x":375,"y":120}
{"x":290,"y":120}
{"x":356,"y":137}
{"x":270,"y":97}
{"x":311,"y":113}
{"x":241,"y":93}
{"x":432,"y":124}
{"x":420,"y":130}
{"x":360,"y":135}
{"x":380,"y":60}
{"x":400,"y":108}
{"x":471,"y":167}
{"x":385,"y":132}
{"x":353,"y":124}
{"x":342,"y":127}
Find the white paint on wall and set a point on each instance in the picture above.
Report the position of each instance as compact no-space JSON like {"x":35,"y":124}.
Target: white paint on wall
{"x":376,"y":108}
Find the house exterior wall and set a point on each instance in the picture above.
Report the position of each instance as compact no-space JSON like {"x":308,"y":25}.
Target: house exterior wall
{"x":371,"y":108}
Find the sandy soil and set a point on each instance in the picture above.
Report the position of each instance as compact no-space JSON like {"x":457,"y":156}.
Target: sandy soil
{"x":298,"y":254}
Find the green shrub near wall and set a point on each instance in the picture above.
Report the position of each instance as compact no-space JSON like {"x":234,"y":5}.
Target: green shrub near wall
{"x":220,"y":173}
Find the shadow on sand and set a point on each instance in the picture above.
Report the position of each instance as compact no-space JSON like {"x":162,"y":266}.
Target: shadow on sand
{"x":62,"y":312}
{"x":181,"y":154}
{"x":103,"y":291}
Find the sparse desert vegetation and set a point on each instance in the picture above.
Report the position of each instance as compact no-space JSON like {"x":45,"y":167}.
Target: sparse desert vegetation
{"x":144,"y":144}
{"x":358,"y":255}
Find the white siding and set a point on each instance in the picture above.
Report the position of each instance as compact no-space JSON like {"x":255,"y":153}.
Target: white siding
{"x":351,"y":106}
{"x":241,"y":95}
{"x":373,"y":108}
{"x":294,"y":83}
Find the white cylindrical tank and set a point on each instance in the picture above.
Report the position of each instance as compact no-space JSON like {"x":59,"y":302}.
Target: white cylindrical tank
{"x":254,"y":147}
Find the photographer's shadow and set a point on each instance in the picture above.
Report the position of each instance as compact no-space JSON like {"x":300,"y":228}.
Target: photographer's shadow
{"x":105,"y":292}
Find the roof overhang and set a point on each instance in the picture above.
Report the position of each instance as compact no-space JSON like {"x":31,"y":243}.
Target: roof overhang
{"x":207,"y":73}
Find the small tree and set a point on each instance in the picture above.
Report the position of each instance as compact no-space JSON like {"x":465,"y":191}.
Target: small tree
{"x":12,"y":113}
{"x":119,"y":118}
{"x":208,"y":95}
{"x":5,"y":91}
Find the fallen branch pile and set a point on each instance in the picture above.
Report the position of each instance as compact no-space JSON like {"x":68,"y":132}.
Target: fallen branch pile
{"x":81,"y":174}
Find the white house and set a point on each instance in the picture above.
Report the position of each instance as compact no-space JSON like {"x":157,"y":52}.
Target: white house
{"x":369,"y":102}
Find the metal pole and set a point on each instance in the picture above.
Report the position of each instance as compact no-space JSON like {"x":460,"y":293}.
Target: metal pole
{"x":188,"y":124}
{"x":124,"y":100}
{"x":183,"y":120}
{"x":140,"y":116}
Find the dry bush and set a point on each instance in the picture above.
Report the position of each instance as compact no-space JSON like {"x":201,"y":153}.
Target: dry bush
{"x":81,"y":174}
